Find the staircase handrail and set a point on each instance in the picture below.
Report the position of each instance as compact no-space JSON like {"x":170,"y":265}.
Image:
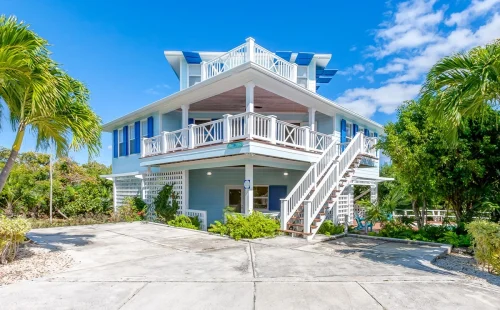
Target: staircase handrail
{"x":291,"y":203}
{"x":313,"y":205}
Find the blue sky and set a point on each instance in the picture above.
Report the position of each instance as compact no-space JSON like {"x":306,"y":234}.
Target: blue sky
{"x":382,"y":48}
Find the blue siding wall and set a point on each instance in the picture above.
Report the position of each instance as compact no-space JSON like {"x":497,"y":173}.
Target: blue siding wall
{"x":130,"y":163}
{"x":172,"y":121}
{"x":208,"y":192}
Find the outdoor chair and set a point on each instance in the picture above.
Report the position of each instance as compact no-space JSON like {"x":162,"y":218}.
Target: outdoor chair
{"x":362,"y":224}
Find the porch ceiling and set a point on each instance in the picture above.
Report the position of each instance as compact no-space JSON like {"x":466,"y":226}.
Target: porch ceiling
{"x":234,"y":101}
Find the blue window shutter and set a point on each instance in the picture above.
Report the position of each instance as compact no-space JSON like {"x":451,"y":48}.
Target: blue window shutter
{"x":115,"y":143}
{"x":137,"y":128}
{"x":355,"y":129}
{"x":375,"y":134}
{"x":367,"y":132}
{"x":343,"y":131}
{"x":150,"y":127}
{"x":190,"y":121}
{"x":125,"y":140}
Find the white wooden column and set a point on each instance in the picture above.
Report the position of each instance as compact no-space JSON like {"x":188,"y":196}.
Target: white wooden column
{"x":312,"y":119}
{"x":185,"y":115}
{"x":249,"y":107}
{"x":250,"y":86}
{"x":248,"y":188}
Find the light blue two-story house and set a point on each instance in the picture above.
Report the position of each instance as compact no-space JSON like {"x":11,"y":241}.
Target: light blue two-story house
{"x":247,"y":129}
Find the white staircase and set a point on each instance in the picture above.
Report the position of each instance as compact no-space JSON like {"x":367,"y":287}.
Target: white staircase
{"x":305,"y":208}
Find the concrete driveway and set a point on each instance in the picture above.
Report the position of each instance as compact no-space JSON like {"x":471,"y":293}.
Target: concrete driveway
{"x":148,"y":266}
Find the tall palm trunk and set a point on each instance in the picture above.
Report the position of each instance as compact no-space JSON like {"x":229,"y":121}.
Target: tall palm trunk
{"x":12,"y":157}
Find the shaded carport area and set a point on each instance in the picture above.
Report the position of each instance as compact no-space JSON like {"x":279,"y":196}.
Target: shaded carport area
{"x":149,"y":266}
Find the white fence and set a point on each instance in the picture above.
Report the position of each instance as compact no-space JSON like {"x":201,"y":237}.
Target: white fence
{"x":202,"y":216}
{"x":249,"y":52}
{"x":246,"y":125}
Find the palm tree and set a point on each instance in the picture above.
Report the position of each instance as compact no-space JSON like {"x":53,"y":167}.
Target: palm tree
{"x":41,"y":97}
{"x":464,"y":84}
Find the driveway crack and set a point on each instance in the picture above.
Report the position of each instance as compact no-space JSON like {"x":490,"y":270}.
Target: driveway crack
{"x":133,"y":295}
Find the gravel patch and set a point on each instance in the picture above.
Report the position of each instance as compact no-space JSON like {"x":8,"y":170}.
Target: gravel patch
{"x":465,"y":265}
{"x":33,"y":261}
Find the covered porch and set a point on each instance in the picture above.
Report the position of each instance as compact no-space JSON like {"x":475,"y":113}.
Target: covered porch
{"x":245,"y":183}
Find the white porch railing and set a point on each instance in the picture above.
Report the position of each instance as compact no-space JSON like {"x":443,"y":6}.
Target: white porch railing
{"x":249,"y":52}
{"x":246,"y":125}
{"x":202,"y":216}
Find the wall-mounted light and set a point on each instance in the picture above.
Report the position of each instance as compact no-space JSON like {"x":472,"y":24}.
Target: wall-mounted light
{"x":285,"y":173}
{"x":209,"y":173}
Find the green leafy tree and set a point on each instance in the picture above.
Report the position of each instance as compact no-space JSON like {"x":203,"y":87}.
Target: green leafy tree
{"x":41,"y":97}
{"x":464,"y":85}
{"x":463,"y":177}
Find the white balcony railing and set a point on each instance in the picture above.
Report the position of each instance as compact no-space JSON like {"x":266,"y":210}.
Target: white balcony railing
{"x":249,"y":52}
{"x":242,"y":126}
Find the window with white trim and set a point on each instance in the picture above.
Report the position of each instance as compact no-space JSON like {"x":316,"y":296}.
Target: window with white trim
{"x":131,"y":139}
{"x":302,"y":76}
{"x":261,"y":197}
{"x":194,"y":71}
{"x":348,"y":131}
{"x":121,"y":143}
{"x":144,"y":128}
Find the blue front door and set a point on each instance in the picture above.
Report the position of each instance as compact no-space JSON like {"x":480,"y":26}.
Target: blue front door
{"x":276,"y":192}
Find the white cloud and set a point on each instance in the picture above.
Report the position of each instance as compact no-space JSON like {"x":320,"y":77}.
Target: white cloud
{"x":386,"y":99}
{"x":477,"y":8}
{"x":390,"y":68}
{"x":354,"y":70}
{"x":414,"y":37}
{"x":413,"y":25}
{"x":353,"y":48}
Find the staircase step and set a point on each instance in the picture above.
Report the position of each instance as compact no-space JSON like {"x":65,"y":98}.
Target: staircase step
{"x":295,"y":232}
{"x":314,"y":220}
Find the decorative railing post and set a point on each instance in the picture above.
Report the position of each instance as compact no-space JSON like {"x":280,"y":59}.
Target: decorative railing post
{"x":226,"y":128}
{"x":191,"y":136}
{"x":307,"y":138}
{"x":164,"y":147}
{"x":203,"y":71}
{"x":307,"y":216}
{"x":143,"y":147}
{"x":283,"y":213}
{"x":272,"y":129}
{"x":294,"y":73}
{"x":250,"y":52}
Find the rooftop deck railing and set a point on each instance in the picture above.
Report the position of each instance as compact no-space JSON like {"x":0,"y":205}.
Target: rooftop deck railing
{"x":231,"y":128}
{"x":249,"y":52}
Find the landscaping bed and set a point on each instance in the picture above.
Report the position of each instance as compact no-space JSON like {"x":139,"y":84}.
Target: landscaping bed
{"x":33,"y":261}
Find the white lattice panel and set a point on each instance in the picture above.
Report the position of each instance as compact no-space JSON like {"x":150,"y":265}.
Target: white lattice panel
{"x":154,"y":182}
{"x":342,"y":208}
{"x":128,"y":186}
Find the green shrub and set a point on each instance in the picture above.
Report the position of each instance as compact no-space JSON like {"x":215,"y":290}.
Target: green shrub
{"x":330,"y":229}
{"x":185,"y":222}
{"x":255,"y":225}
{"x":12,"y":233}
{"x":451,"y":237}
{"x":486,"y":242}
{"x":166,"y":204}
{"x":128,"y":212}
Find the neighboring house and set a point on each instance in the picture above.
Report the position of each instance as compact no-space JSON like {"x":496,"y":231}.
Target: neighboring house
{"x":248,"y":130}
